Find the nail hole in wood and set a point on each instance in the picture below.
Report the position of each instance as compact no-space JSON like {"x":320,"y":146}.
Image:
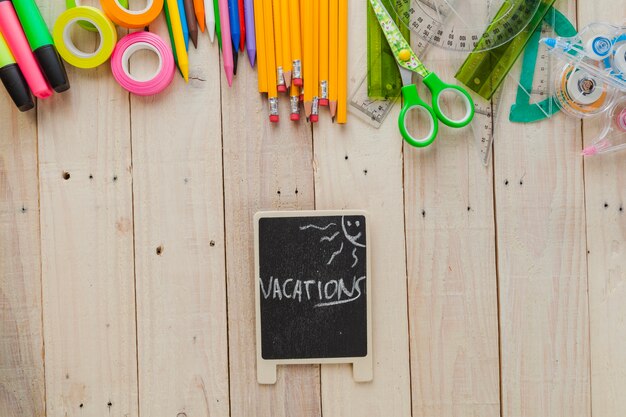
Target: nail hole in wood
{"x":296,"y":191}
{"x":109,"y":404}
{"x":24,"y":209}
{"x":66,"y":175}
{"x":212,"y":243}
{"x":90,"y":176}
{"x":346,"y":157}
{"x":278,"y":192}
{"x":423,"y":213}
{"x":365,"y":171}
{"x":506,"y":182}
{"x":469,"y":208}
{"x":159,"y":250}
{"x":606,"y":205}
{"x":81,"y":405}
{"x":115,"y":178}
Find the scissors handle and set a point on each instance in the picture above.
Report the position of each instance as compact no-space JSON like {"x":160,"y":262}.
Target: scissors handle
{"x":438,"y":88}
{"x":413,"y":102}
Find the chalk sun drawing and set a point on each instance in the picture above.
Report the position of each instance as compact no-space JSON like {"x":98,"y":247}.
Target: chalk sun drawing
{"x":350,"y":234}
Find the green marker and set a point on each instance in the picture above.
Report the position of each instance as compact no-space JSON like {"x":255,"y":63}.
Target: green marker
{"x":218,"y":26}
{"x":41,"y":44}
{"x":13,"y":79}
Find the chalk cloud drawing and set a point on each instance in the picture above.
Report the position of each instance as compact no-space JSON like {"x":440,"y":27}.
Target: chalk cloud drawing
{"x":350,"y":236}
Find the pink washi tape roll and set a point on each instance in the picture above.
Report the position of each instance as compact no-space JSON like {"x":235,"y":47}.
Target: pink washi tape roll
{"x":140,"y":41}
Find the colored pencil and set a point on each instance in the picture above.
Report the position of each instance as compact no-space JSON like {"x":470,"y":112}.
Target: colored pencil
{"x":286,"y":39}
{"x":227,"y":46}
{"x":209,"y":12}
{"x":218,"y":25}
{"x":198,"y":7}
{"x":192,"y":25}
{"x":235,"y":27}
{"x":296,"y":42}
{"x":278,"y":47}
{"x":342,"y":64}
{"x":242,"y":25}
{"x":307,"y":49}
{"x":333,"y":40}
{"x":272,"y":91}
{"x":323,"y":61}
{"x":251,"y":43}
{"x":183,"y":22}
{"x":178,"y":39}
{"x":314,"y":84}
{"x":259,"y":34}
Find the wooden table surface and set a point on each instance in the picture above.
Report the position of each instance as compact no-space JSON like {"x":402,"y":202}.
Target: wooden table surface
{"x":126,"y":256}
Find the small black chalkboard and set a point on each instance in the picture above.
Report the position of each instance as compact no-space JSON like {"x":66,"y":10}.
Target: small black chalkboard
{"x":312,"y":290}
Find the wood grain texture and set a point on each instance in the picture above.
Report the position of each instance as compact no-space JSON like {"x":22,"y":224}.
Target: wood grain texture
{"x":450,"y":239}
{"x":540,"y":215}
{"x":21,"y":339}
{"x":87,"y":244}
{"x":605,"y":197}
{"x":266,"y":167}
{"x":357,"y":167}
{"x":179,"y":229}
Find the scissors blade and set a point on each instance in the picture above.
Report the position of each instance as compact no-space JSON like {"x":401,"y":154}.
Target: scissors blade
{"x":402,"y":52}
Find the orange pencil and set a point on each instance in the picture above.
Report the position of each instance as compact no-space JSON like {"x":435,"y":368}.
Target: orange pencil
{"x":260,"y":46}
{"x":333,"y":40}
{"x":296,"y":42}
{"x":270,"y":60}
{"x":314,"y":84}
{"x":307,"y":49}
{"x":278,"y":46}
{"x":342,"y":64}
{"x":323,"y":51}
{"x":198,"y":6}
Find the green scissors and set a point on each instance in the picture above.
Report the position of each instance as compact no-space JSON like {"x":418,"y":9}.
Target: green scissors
{"x":408,"y":63}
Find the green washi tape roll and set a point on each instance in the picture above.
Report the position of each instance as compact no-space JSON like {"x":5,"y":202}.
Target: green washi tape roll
{"x":70,"y":4}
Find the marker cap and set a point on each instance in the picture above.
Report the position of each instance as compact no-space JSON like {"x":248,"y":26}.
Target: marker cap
{"x":16,"y":86}
{"x":52,"y":68}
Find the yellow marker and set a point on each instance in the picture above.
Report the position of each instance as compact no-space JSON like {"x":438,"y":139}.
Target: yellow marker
{"x":296,"y":42}
{"x":278,"y":47}
{"x":286,"y":39}
{"x":260,"y":45}
{"x":342,"y":64}
{"x":307,"y":49}
{"x":323,"y":61}
{"x":333,"y":41}
{"x":270,"y":61}
{"x":314,"y":84}
{"x":179,"y":40}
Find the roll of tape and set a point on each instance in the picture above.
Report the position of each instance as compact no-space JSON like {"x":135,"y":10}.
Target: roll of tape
{"x":139,"y":41}
{"x":70,"y":4}
{"x":598,"y":47}
{"x":619,"y":59}
{"x":63,"y":40}
{"x":584,"y":88}
{"x":130,"y":18}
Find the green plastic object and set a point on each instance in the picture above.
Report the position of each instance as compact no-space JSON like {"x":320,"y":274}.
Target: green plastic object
{"x":484,"y":70}
{"x":218,"y":25}
{"x":33,"y":24}
{"x":6,"y":57}
{"x":383,"y":77}
{"x":522,"y":111}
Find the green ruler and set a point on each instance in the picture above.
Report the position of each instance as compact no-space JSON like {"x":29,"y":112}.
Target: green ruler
{"x":383,"y":76}
{"x":483,"y":71}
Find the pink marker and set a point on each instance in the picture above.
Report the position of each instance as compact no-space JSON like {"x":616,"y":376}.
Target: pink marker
{"x":14,"y":35}
{"x":227,"y":45}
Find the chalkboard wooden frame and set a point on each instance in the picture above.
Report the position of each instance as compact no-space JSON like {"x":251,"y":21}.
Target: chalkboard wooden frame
{"x":266,"y":368}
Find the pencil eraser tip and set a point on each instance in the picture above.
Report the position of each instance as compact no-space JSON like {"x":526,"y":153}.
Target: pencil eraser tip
{"x":297,"y":82}
{"x":324,"y":102}
{"x":282,"y":89}
{"x":274,"y":118}
{"x":314,"y":118}
{"x":294,"y":117}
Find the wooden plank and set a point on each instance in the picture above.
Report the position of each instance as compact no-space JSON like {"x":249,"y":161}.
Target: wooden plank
{"x":450,"y":238}
{"x":181,"y":294}
{"x":605,"y":197}
{"x":87,"y":244}
{"x":358,"y":167}
{"x":21,"y":339}
{"x":542,"y":265}
{"x":266,"y":166}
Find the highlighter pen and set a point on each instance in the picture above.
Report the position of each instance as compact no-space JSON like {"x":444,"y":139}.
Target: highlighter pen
{"x":235,"y":28}
{"x":41,"y":44}
{"x":12,"y":30}
{"x":13,"y":79}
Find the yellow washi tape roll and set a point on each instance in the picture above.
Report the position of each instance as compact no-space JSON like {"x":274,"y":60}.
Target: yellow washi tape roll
{"x":63,"y":39}
{"x":132,"y":19}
